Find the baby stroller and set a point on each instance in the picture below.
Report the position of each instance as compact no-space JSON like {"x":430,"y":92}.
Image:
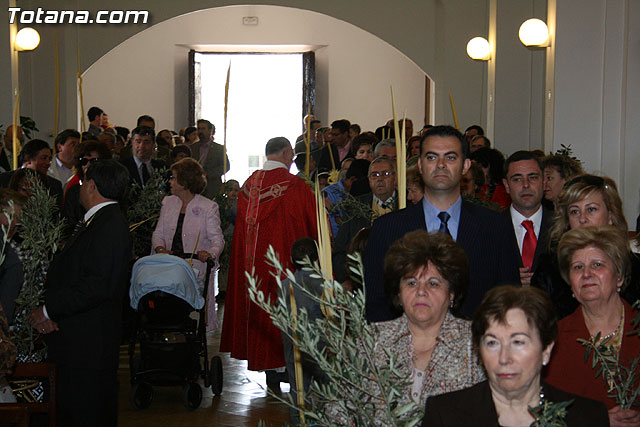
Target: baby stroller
{"x":164,"y":291}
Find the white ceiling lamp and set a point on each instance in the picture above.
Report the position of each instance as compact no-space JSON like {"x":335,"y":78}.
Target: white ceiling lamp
{"x":27,"y":39}
{"x":534,"y":33}
{"x":479,"y":49}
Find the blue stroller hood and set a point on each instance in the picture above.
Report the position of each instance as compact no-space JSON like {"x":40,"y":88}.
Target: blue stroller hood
{"x":167,"y":273}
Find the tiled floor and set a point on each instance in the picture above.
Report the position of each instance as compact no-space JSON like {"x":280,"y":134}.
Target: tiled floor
{"x":243,"y":401}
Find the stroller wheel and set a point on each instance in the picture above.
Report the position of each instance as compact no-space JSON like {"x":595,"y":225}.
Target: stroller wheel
{"x":192,"y":396}
{"x":215,"y":375}
{"x":141,"y":396}
{"x":135,"y":365}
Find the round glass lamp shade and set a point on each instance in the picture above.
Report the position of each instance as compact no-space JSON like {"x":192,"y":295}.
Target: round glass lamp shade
{"x":534,"y":32}
{"x":479,"y":48}
{"x":27,"y":39}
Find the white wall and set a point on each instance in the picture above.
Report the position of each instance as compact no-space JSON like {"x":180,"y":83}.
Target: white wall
{"x":354,"y":68}
{"x":597,"y":102}
{"x":519,"y":80}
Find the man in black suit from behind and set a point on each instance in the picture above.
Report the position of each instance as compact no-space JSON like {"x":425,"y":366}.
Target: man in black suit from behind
{"x":141,"y":165}
{"x":530,"y":221}
{"x":482,"y":233}
{"x":85,"y":286}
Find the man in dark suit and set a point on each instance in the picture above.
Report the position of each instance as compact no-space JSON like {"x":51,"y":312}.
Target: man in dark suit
{"x":85,"y":286}
{"x":530,"y":221}
{"x":338,"y":148}
{"x":212,"y":157}
{"x":36,"y":155}
{"x":482,"y":233}
{"x":141,"y":165}
{"x":381,"y":200}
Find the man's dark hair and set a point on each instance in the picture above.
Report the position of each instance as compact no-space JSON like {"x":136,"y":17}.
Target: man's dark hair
{"x":342,"y":125}
{"x":93,"y":112}
{"x":356,"y":128}
{"x":145,"y":118}
{"x":111,"y":178}
{"x":64,"y":135}
{"x":444,"y":131}
{"x":123,"y":132}
{"x":359,"y":169}
{"x":492,"y":159}
{"x":31,"y":149}
{"x":475,"y":127}
{"x":519,"y":156}
{"x":209,"y":125}
{"x":144,"y":131}
{"x":302,"y":248}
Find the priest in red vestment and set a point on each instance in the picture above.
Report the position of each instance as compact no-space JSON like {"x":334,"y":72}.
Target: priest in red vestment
{"x":274,"y":208}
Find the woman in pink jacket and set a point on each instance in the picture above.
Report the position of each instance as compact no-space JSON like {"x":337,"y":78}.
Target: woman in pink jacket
{"x":190,"y":223}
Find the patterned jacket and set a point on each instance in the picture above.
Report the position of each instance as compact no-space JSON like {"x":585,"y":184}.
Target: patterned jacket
{"x":453,"y":365}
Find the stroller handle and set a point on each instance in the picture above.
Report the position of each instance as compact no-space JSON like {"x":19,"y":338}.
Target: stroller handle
{"x":210,"y":261}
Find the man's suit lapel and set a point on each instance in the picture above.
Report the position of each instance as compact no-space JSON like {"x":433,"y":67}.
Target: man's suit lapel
{"x":543,"y":238}
{"x":467,"y":236}
{"x":514,"y":239}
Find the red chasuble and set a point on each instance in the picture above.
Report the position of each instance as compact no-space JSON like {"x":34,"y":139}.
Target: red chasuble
{"x":274,"y":208}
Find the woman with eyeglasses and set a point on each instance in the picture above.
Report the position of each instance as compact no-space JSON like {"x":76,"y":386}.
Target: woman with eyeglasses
{"x":190,"y":223}
{"x":586,"y":200}
{"x":84,"y":155}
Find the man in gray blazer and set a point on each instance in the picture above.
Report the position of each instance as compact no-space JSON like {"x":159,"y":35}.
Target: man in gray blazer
{"x":211,"y":156}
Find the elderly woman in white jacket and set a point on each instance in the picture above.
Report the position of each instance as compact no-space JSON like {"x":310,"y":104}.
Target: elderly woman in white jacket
{"x":190,"y":223}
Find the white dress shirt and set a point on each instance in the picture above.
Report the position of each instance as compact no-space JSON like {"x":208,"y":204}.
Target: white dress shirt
{"x":517,"y":218}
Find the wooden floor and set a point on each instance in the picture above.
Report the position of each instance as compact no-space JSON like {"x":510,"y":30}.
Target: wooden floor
{"x":243,"y":401}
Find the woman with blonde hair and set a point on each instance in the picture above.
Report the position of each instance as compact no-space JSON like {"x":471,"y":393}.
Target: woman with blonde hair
{"x":586,"y":200}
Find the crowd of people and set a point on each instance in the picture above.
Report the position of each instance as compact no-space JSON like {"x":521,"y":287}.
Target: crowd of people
{"x":481,"y":286}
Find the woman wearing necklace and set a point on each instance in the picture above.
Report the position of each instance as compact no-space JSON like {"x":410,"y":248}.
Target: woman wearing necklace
{"x":595,"y":261}
{"x":514,"y":330}
{"x":426,"y":276}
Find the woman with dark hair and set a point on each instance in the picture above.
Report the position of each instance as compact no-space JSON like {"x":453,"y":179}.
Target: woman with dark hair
{"x":558,"y":169}
{"x":492,"y":163}
{"x":179,"y":152}
{"x":415,"y":185}
{"x":426,"y":277}
{"x":190,"y":135}
{"x":514,"y":330}
{"x":595,"y":261}
{"x":586,"y":200}
{"x":190,"y":223}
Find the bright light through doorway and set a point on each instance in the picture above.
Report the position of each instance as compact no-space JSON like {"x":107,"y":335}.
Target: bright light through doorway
{"x":265,"y":100}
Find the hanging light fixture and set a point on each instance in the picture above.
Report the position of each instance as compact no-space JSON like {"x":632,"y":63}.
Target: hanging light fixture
{"x":479,"y":49}
{"x":27,"y":39}
{"x":534,"y":33}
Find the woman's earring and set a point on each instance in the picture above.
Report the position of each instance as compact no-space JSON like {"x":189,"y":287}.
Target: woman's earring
{"x":544,"y":363}
{"x":451,"y":304}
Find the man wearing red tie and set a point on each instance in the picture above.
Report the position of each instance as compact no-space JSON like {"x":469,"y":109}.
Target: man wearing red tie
{"x":523,"y":181}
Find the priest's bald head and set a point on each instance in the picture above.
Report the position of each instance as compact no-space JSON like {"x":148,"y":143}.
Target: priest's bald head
{"x":279,"y":149}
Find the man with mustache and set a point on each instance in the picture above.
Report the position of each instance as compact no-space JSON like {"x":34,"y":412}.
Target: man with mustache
{"x":482,"y":233}
{"x":530,"y":221}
